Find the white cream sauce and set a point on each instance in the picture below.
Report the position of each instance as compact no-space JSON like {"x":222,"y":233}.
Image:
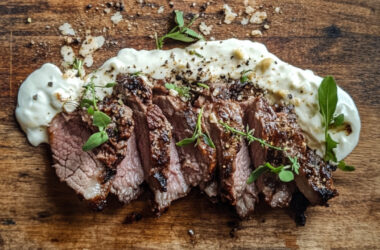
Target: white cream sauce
{"x":228,"y":57}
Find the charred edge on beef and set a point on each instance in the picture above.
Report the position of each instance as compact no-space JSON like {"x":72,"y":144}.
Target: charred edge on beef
{"x":197,"y":162}
{"x":233,"y":157}
{"x":155,"y":143}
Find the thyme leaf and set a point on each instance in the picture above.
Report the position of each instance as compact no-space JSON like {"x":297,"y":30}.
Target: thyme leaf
{"x":248,"y":135}
{"x":197,"y":135}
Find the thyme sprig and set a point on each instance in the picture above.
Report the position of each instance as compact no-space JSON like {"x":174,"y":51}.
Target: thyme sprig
{"x":197,"y":135}
{"x":285,"y":173}
{"x":99,"y":119}
{"x":248,"y":135}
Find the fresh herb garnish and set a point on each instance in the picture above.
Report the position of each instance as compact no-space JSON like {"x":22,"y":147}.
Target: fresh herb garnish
{"x":197,"y":135}
{"x":285,"y":173}
{"x":78,"y":65}
{"x":203,"y":85}
{"x":328,"y":99}
{"x":337,"y":121}
{"x":342,"y":166}
{"x":244,"y":76}
{"x":180,"y":32}
{"x":181,"y":90}
{"x":99,"y":119}
{"x":248,"y":134}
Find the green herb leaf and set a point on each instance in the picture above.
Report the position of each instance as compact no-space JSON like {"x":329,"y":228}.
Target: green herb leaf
{"x":256,"y":173}
{"x":197,"y":135}
{"x":207,"y":140}
{"x":180,"y":32}
{"x":78,"y":65}
{"x":110,"y":85}
{"x":342,"y":166}
{"x":194,"y":34}
{"x":248,"y":134}
{"x":286,"y":175}
{"x":179,"y":18}
{"x":95,"y":140}
{"x":338,"y":120}
{"x":330,"y":145}
{"x":180,"y":37}
{"x":328,"y":99}
{"x":182,"y":90}
{"x":295,"y":164}
{"x":101,"y":120}
{"x":90,"y":110}
{"x":244,"y":76}
{"x":203,"y":85}
{"x":186,"y":141}
{"x":85,"y":103}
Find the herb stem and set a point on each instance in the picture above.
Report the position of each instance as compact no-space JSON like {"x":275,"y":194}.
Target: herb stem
{"x":249,"y":135}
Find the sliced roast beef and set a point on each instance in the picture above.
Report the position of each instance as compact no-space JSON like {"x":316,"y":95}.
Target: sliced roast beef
{"x":82,"y":171}
{"x":197,"y":162}
{"x":277,"y":125}
{"x":233,"y":156}
{"x":315,"y":179}
{"x":129,"y":174}
{"x":154,"y":141}
{"x":112,"y":152}
{"x":269,"y":126}
{"x":119,"y":153}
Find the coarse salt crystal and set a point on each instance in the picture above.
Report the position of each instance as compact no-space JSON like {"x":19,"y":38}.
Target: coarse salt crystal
{"x":256,"y":33}
{"x":67,"y":30}
{"x":229,"y":15}
{"x":206,"y":30}
{"x":160,"y":10}
{"x":258,"y":17}
{"x":116,"y":18}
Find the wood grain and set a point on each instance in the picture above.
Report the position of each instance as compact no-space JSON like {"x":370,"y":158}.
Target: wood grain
{"x":336,"y":37}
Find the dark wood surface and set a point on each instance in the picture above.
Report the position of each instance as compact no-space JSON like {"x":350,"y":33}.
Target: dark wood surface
{"x":336,"y":37}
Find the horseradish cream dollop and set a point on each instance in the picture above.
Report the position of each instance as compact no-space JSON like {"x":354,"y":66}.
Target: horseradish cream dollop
{"x":47,"y":91}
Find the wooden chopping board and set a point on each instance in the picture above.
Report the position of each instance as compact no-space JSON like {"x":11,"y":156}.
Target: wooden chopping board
{"x":335,"y":37}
